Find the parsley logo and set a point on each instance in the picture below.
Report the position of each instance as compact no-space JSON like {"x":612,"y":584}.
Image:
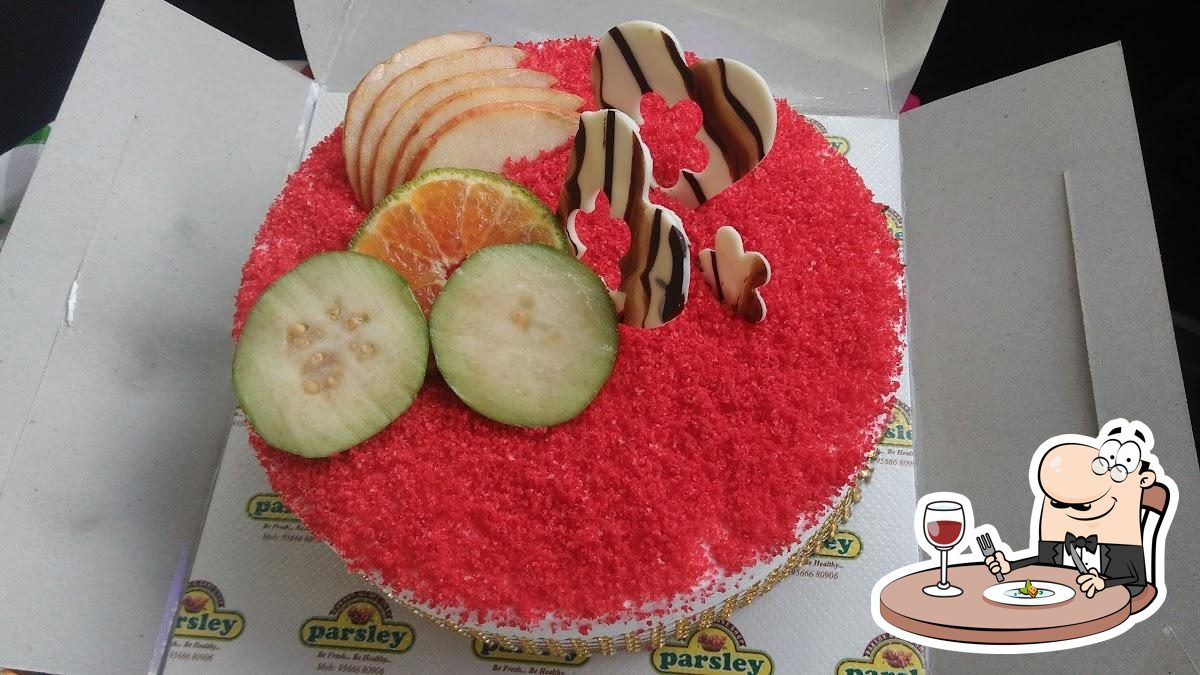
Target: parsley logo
{"x":268,"y":506}
{"x":497,"y":652}
{"x":895,"y":225}
{"x":899,"y":429}
{"x":719,"y":648}
{"x":202,"y":614}
{"x":843,"y":544}
{"x":840,"y":144}
{"x":360,"y":620}
{"x":886,"y":655}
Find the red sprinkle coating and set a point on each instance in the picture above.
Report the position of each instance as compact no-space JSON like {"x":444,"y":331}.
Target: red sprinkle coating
{"x":712,"y":433}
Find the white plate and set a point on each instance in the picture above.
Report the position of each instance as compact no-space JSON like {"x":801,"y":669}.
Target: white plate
{"x":1050,"y":593}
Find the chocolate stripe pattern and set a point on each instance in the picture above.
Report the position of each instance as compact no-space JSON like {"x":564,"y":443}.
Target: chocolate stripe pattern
{"x":736,"y":275}
{"x":608,"y":155}
{"x":637,"y":57}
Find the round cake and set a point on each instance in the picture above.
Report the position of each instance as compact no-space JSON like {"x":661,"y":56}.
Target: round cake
{"x":714,"y":451}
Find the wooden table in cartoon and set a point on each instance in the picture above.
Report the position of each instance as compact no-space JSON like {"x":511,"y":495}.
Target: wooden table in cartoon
{"x":972,"y":618}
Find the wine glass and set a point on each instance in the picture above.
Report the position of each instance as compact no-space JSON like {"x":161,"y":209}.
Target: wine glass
{"x":944,"y":524}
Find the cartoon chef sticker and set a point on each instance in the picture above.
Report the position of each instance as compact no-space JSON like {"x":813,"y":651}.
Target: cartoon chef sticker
{"x":1093,"y":567}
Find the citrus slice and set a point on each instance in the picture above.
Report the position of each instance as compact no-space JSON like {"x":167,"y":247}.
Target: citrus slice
{"x":432,"y":223}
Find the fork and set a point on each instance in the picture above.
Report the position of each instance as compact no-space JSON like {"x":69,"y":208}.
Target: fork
{"x":985,"y":547}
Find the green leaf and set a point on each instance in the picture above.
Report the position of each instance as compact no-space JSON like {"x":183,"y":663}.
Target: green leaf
{"x":38,"y":136}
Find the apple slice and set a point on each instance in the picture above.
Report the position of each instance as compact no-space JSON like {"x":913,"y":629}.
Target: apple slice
{"x":484,"y":137}
{"x":417,"y":104}
{"x":410,"y":82}
{"x":450,"y":107}
{"x":358,"y":105}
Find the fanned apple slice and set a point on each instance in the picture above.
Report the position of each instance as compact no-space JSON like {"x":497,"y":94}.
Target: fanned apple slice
{"x":484,"y":137}
{"x":410,"y":82}
{"x":430,"y":96}
{"x":449,"y":108}
{"x":358,"y":105}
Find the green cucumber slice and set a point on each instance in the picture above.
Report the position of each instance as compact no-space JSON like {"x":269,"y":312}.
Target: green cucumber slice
{"x":524,"y":334}
{"x":330,"y":354}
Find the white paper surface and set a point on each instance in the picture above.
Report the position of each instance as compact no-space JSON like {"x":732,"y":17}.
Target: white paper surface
{"x":285,"y":585}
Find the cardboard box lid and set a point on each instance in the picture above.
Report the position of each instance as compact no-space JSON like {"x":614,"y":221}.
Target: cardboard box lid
{"x":1037,"y":307}
{"x":857,"y":57}
{"x":118,"y":279}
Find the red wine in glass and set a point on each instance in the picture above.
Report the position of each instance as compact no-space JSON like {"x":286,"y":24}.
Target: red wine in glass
{"x":944,"y":532}
{"x":944,"y":523}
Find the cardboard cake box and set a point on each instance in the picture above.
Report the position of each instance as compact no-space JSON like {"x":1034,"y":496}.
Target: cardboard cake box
{"x":1037,"y":307}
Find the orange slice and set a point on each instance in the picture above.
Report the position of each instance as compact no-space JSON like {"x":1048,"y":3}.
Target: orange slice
{"x":429,"y":225}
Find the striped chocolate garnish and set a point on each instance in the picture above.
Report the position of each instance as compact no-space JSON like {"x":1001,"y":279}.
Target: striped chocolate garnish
{"x":735,"y":275}
{"x":638,"y":57}
{"x":608,"y":155}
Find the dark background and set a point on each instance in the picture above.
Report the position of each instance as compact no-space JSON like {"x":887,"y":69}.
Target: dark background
{"x":977,"y":42}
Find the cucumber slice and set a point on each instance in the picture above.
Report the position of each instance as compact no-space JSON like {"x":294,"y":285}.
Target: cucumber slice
{"x":524,"y":334}
{"x":330,"y":354}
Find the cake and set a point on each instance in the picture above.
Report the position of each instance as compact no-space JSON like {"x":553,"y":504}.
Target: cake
{"x":700,"y":472}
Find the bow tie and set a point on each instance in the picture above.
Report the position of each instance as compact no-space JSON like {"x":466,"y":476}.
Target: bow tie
{"x":1079,"y":542}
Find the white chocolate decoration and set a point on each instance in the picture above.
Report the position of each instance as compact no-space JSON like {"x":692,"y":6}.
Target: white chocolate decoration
{"x":608,"y":155}
{"x":638,"y":57}
{"x":735,"y":275}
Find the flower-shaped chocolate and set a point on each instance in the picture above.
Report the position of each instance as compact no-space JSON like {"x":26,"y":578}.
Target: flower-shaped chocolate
{"x":735,"y":275}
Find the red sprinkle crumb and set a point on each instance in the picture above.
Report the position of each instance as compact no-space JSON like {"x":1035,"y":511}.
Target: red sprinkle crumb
{"x":713,"y":434}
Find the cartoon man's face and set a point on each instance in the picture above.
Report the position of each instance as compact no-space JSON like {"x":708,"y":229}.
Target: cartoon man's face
{"x":1090,"y":491}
